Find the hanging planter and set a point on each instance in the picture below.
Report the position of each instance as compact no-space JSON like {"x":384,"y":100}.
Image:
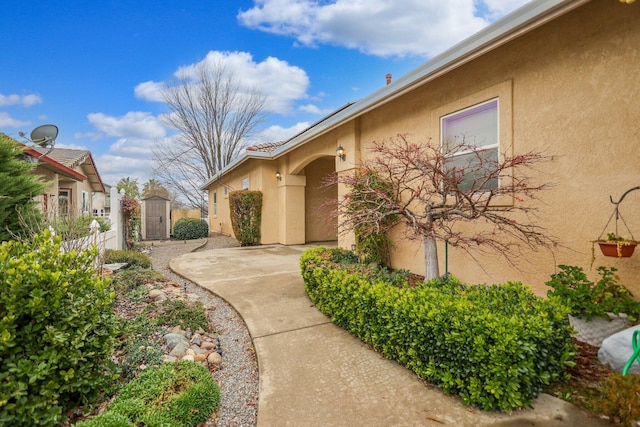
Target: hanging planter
{"x":619,"y":248}
{"x":615,"y":245}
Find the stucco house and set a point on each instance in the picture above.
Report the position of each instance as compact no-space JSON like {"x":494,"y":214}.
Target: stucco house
{"x":73,"y":180}
{"x":558,"y":76}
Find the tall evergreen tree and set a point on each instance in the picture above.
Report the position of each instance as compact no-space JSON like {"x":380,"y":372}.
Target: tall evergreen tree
{"x":18,"y":187}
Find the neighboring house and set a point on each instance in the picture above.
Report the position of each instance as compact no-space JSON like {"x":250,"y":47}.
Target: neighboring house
{"x":557,"y":76}
{"x":101,"y":202}
{"x":73,"y":179}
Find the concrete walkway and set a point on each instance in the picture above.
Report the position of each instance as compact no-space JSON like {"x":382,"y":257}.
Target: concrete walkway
{"x":313,"y":373}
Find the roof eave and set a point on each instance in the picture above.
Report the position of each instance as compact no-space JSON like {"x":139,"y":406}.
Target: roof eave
{"x":521,"y":21}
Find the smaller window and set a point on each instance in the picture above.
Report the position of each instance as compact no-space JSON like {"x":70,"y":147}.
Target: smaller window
{"x":85,"y":202}
{"x":215,"y":204}
{"x":245,"y":184}
{"x":470,"y":139}
{"x":226,"y":190}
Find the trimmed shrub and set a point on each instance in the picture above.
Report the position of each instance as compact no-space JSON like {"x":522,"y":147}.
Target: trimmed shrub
{"x":174,"y":394}
{"x":57,"y":331}
{"x":246,"y":216}
{"x":497,"y":347}
{"x":133,"y":258}
{"x":190,"y":228}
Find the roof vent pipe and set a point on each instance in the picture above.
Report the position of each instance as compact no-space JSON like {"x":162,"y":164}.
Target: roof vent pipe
{"x":388,"y":76}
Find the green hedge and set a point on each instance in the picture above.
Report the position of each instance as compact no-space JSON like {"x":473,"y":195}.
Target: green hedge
{"x":497,"y":347}
{"x":57,"y":331}
{"x":246,"y":216}
{"x":190,"y":228}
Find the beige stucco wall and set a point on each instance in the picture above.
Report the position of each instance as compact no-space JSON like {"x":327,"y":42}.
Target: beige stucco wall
{"x":568,"y":91}
{"x":176,"y":214}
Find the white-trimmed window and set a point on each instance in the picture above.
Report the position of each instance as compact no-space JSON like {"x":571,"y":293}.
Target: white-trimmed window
{"x":470,"y":138}
{"x":245,"y":184}
{"x":85,"y":202}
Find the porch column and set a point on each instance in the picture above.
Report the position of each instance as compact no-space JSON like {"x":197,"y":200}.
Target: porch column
{"x":291,"y":212}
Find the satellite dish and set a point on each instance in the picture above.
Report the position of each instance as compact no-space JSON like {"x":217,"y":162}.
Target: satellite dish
{"x":44,"y":135}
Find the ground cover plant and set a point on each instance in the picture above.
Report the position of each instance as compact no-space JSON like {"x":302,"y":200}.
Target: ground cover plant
{"x":133,"y":258}
{"x":180,"y":394}
{"x":497,"y":347}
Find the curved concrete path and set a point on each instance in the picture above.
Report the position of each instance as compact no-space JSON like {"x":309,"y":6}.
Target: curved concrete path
{"x":313,"y":373}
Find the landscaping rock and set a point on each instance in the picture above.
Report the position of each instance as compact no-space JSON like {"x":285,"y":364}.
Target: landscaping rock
{"x":169,"y":359}
{"x":595,"y":331}
{"x":214,"y":359}
{"x":173,"y":339}
{"x":200,"y":358}
{"x":208,"y":345}
{"x":617,"y":350}
{"x":196,"y":339}
{"x":189,"y":357}
{"x":179,"y":350}
{"x":157,"y":295}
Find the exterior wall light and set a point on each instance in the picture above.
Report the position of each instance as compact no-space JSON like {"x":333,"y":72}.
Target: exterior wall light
{"x":278,"y":176}
{"x":340,"y":153}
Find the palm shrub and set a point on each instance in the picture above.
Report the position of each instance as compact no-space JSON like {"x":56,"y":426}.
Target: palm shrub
{"x":57,"y":331}
{"x":190,"y":228}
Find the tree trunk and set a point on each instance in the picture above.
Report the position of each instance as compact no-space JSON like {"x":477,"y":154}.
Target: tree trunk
{"x":430,"y":259}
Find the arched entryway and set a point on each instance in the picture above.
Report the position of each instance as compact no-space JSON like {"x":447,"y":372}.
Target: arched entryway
{"x":320,"y":226}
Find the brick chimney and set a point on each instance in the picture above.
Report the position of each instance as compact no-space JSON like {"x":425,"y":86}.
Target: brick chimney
{"x":388,"y":76}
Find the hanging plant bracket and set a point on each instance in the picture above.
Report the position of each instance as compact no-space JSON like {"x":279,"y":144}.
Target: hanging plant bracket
{"x":614,"y":245}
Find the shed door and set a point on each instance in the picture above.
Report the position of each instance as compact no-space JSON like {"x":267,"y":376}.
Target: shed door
{"x":156,"y":229}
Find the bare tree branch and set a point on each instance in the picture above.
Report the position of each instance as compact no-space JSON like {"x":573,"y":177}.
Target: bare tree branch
{"x":434,"y":196}
{"x":214,"y":116}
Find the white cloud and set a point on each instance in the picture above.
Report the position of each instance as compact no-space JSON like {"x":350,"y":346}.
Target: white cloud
{"x":282,"y":84}
{"x":278,"y":133}
{"x":7,"y":121}
{"x":24,"y":100}
{"x":376,"y":27}
{"x":136,"y":124}
{"x":149,"y":91}
{"x":112,"y":168}
{"x":313,"y":109}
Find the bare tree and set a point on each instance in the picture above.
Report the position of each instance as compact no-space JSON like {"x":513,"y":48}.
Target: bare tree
{"x":433,"y":193}
{"x":214,"y":114}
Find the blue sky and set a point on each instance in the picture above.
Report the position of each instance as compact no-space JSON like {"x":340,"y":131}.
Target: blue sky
{"x":95,"y":68}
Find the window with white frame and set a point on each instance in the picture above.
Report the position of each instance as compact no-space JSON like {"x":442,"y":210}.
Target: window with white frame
{"x":470,"y":142}
{"x":85,"y":202}
{"x":245,"y":184}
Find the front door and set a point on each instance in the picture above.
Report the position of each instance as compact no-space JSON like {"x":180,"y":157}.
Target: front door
{"x":155,"y":221}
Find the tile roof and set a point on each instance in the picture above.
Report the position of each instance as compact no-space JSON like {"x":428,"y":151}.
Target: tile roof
{"x":266,"y":147}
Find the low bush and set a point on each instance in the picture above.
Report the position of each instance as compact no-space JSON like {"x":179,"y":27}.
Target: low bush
{"x":133,"y":258}
{"x":190,"y":228}
{"x":57,"y":328}
{"x":174,"y":394}
{"x":172,"y":312}
{"x":590,"y":299}
{"x":131,"y":279}
{"x":497,"y":347}
{"x":619,"y":398}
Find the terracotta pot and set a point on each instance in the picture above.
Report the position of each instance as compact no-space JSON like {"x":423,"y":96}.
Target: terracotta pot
{"x":617,"y":249}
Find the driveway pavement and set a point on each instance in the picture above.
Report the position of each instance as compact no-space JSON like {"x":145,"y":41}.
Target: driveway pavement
{"x":313,"y":373}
